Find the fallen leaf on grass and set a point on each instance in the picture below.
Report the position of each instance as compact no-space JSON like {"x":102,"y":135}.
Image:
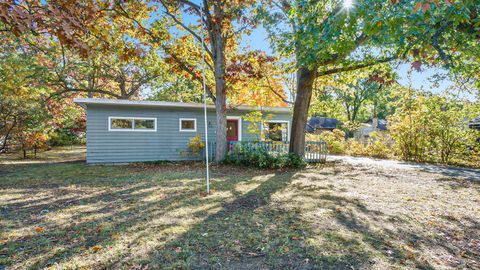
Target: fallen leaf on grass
{"x":409,"y":255}
{"x":253,"y":254}
{"x":204,"y":194}
{"x":96,"y":248}
{"x":39,"y":229}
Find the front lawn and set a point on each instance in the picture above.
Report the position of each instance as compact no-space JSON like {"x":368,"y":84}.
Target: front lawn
{"x":76,"y":216}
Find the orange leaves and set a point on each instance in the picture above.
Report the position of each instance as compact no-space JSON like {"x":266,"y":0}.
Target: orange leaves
{"x":35,"y":139}
{"x":248,"y":65}
{"x":418,"y":5}
{"x":417,"y":65}
{"x":423,"y":5}
{"x":131,"y":53}
{"x":381,"y":76}
{"x":254,"y":79}
{"x":96,"y":248}
{"x":84,"y":26}
{"x":426,"y":5}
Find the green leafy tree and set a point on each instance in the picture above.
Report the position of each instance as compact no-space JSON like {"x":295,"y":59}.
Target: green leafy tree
{"x":354,"y":90}
{"x":408,"y":127}
{"x":447,"y":128}
{"x":433,"y":128}
{"x":353,"y":97}
{"x":329,"y":37}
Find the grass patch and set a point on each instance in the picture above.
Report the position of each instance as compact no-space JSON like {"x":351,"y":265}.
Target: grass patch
{"x":151,"y":216}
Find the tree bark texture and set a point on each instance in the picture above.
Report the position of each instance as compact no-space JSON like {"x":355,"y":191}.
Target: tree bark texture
{"x":218,"y":50}
{"x":305,"y":80}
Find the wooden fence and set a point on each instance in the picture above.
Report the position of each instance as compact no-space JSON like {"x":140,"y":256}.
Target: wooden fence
{"x":314,"y":151}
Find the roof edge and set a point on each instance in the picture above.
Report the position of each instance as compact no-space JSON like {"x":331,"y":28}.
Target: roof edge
{"x":83,"y":102}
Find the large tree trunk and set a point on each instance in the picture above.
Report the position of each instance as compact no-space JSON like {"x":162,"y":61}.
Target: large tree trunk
{"x":221,"y":108}
{"x":218,"y":51}
{"x":305,"y":79}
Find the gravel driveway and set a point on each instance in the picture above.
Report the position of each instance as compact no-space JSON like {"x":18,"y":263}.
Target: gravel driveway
{"x":457,"y":172}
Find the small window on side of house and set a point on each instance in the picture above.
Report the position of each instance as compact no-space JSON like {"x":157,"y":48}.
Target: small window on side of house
{"x":132,"y":124}
{"x":147,"y":124}
{"x":121,"y":123}
{"x":188,"y":124}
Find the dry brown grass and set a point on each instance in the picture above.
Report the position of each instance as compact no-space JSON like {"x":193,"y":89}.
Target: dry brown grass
{"x":156,"y":216}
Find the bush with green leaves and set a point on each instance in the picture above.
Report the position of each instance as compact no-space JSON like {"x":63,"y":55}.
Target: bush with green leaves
{"x":378,"y":145}
{"x":260,"y":157}
{"x":335,"y":140}
{"x":355,"y":148}
{"x":65,"y":137}
{"x":196,"y":145}
{"x":434,"y":129}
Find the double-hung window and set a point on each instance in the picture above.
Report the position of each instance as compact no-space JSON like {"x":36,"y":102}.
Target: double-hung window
{"x":132,"y":124}
{"x":188,"y":124}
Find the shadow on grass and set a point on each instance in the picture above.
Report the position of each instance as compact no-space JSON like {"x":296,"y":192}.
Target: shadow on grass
{"x":459,"y":183}
{"x":448,"y":171}
{"x":111,"y":217}
{"x":251,"y":233}
{"x":77,"y":214}
{"x":127,"y":217}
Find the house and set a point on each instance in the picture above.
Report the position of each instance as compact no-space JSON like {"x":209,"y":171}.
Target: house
{"x":475,"y":123}
{"x":372,"y":125}
{"x":320,"y":124}
{"x":122,"y":131}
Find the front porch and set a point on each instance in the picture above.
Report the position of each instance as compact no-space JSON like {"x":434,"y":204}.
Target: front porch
{"x":315,"y":151}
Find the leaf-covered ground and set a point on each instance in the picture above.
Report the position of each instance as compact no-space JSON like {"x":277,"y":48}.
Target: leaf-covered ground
{"x":58,"y":154}
{"x":339,"y":216}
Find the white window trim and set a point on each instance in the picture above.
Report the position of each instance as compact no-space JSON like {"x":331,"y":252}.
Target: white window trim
{"x":239,"y":118}
{"x":133,"y":124}
{"x":276,"y":121}
{"x":187,"y":119}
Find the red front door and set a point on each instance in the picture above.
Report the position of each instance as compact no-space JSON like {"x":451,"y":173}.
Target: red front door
{"x":232,"y":130}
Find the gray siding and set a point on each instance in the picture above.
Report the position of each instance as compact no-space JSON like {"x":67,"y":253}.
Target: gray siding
{"x":167,"y":143}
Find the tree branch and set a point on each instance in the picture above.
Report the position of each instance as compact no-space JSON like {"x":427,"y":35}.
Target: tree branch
{"x":185,"y":68}
{"x":355,"y":67}
{"x":57,"y":94}
{"x":188,"y":29}
{"x":276,"y":93}
{"x":191,"y":4}
{"x":437,"y":47}
{"x":7,"y":135}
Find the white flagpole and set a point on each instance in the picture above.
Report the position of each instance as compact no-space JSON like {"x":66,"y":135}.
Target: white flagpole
{"x":205,"y":102}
